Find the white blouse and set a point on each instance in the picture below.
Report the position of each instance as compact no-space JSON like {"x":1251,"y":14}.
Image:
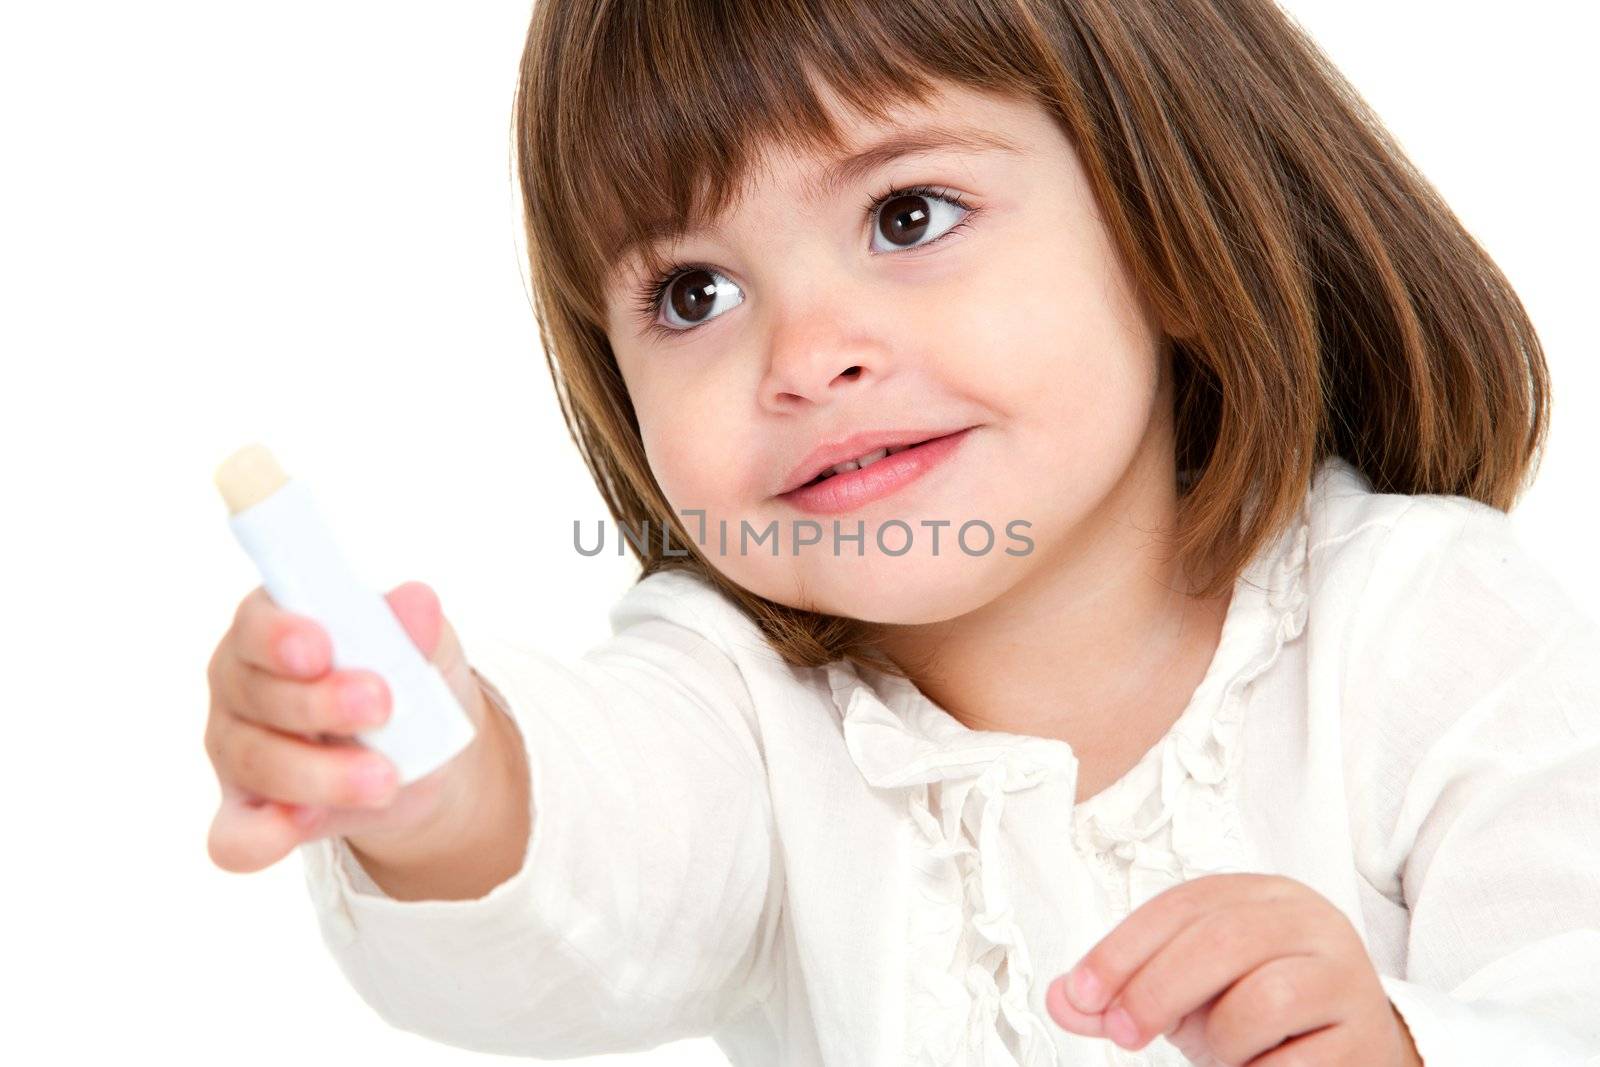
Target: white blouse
{"x":825,"y":867}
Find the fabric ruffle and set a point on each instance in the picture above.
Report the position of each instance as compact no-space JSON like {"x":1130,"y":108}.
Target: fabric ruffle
{"x":970,"y":973}
{"x":1173,"y":817}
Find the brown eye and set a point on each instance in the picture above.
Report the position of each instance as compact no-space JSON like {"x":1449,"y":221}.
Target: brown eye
{"x":904,"y":219}
{"x":690,"y":296}
{"x":917,"y":216}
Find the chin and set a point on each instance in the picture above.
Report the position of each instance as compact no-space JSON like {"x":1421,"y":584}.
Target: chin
{"x":904,"y":591}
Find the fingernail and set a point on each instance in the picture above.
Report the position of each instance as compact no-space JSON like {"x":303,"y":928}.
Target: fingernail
{"x":359,"y":699}
{"x":1085,"y":989}
{"x":373,"y":780}
{"x":297,"y":653}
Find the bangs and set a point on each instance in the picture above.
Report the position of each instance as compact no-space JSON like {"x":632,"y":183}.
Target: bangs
{"x":640,"y":120}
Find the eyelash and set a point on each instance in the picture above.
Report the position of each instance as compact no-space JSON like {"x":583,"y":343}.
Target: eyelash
{"x":647,"y":303}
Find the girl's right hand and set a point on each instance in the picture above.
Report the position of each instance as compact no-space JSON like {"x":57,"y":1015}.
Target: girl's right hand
{"x":281,"y":738}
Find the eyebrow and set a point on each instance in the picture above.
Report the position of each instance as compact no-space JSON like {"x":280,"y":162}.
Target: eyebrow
{"x":857,"y":165}
{"x":851,"y":168}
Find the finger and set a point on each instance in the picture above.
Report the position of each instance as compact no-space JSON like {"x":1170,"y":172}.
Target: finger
{"x":279,"y":651}
{"x":266,"y":636}
{"x":1118,"y":955}
{"x":1279,"y":1000}
{"x":1069,"y":1018}
{"x":343,"y":702}
{"x":1203,"y":959}
{"x":293,"y":770}
{"x":249,"y":832}
{"x":272,"y":639}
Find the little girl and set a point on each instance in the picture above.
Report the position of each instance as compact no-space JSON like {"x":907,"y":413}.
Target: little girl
{"x":1088,"y":628}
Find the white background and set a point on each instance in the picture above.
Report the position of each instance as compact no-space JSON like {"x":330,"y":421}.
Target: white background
{"x":294,"y":222}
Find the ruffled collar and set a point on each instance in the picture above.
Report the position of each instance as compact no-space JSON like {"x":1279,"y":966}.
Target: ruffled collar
{"x":898,"y":736}
{"x":1268,"y":610}
{"x":1168,"y":819}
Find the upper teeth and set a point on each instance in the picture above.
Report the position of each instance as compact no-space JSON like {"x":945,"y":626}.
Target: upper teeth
{"x":861,"y":461}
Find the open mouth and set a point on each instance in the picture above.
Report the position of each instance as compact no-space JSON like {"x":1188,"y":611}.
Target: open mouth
{"x":861,"y":461}
{"x":855,"y":484}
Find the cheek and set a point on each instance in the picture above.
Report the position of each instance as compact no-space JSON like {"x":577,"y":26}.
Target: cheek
{"x":1052,"y":346}
{"x":689,"y":448}
{"x":1053,"y":323}
{"x":1020,"y":340}
{"x":677,"y":463}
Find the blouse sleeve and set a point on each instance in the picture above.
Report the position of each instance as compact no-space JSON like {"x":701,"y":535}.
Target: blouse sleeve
{"x":1481,"y":780}
{"x":646,"y":904}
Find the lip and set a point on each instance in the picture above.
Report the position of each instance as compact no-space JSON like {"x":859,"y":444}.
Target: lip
{"x":853,"y":489}
{"x":831,"y":453}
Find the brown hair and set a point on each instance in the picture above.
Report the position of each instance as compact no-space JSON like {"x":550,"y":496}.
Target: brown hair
{"x":1328,"y":300}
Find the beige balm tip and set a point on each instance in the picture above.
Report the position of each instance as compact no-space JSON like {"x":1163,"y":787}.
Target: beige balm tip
{"x":248,"y":476}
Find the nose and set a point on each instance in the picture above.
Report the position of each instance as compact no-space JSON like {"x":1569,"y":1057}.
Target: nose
{"x":812,"y":363}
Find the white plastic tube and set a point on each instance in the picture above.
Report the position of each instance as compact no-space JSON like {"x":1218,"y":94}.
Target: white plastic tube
{"x":278,"y":523}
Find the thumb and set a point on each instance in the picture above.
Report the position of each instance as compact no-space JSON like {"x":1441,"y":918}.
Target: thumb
{"x":417,"y":607}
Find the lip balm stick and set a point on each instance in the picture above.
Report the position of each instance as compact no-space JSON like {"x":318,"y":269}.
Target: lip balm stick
{"x":276,"y":520}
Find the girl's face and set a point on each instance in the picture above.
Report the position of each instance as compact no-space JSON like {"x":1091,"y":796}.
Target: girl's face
{"x":805,"y":319}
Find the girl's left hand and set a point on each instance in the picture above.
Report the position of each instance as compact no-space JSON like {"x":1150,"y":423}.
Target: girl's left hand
{"x":1235,"y":970}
